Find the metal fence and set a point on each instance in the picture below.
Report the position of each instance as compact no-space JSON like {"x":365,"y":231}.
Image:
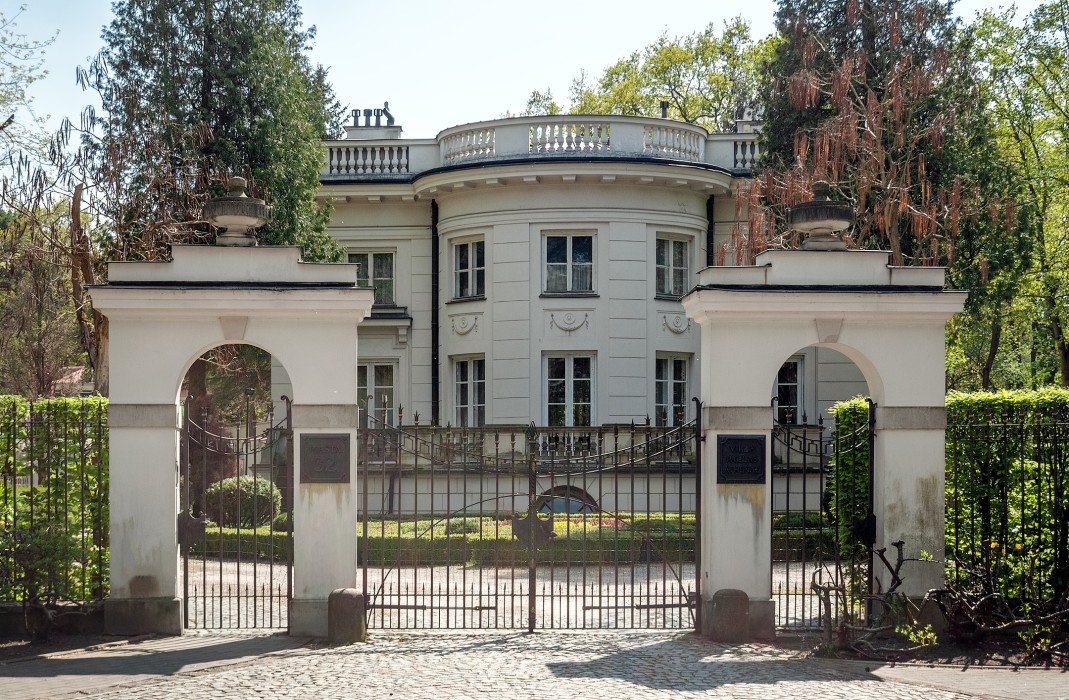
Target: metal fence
{"x":821,"y":501}
{"x":529,"y":528}
{"x":53,"y":500}
{"x":1008,"y":509}
{"x":237,"y":573}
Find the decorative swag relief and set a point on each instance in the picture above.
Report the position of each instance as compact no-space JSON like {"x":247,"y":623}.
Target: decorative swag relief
{"x":569,"y":321}
{"x":677,"y":323}
{"x":464,"y":323}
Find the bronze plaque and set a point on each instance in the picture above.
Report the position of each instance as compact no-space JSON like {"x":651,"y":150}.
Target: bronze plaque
{"x":325,"y":458}
{"x":740,"y":459}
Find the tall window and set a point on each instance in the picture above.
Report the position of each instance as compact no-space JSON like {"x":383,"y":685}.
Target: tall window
{"x":673,"y":266}
{"x":789,"y":392}
{"x":469,"y":269}
{"x":569,"y":264}
{"x":375,"y":394}
{"x":471,"y":392}
{"x":375,"y":270}
{"x":569,"y":390}
{"x":671,"y":390}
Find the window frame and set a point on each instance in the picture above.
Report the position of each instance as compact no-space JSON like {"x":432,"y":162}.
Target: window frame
{"x":570,"y":382}
{"x":678,"y":416}
{"x":386,"y":413}
{"x":676,"y":279}
{"x":570,"y":266}
{"x":476,"y":274}
{"x":467,"y":410}
{"x":370,"y":279}
{"x":799,"y":384}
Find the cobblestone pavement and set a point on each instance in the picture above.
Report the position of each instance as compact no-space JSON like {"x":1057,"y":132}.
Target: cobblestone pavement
{"x":617,"y":665}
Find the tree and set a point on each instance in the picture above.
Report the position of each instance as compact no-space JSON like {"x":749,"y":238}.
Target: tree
{"x":707,"y":79}
{"x":38,"y":335}
{"x":1028,"y":65}
{"x":884,"y":100}
{"x":224,"y":87}
{"x":193,"y":92}
{"x":37,"y":330}
{"x":873,"y":96}
{"x":20,"y":66}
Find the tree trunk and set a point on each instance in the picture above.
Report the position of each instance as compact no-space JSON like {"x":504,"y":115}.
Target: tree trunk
{"x":1061,"y":345}
{"x":197,"y":382}
{"x":93,"y":324}
{"x":992,"y":351}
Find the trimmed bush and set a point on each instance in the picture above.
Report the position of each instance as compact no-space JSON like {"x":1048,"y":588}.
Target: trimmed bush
{"x":281,"y":522}
{"x":1007,"y":494}
{"x":242,"y":500}
{"x":53,"y":500}
{"x":849,"y":484}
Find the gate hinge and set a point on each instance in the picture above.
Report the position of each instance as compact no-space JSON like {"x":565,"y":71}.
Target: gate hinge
{"x":190,"y":529}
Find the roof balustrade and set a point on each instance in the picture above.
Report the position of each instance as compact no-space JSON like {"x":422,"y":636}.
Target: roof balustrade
{"x":592,"y":137}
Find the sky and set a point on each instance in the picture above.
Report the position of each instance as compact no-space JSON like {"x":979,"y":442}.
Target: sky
{"x":438,"y":64}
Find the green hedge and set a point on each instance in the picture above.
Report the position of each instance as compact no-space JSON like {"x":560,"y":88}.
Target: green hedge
{"x":53,"y":499}
{"x":262,"y":543}
{"x":467,"y":541}
{"x":1007,"y":492}
{"x":848,"y":485}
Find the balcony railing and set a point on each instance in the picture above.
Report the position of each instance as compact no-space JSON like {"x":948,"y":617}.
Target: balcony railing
{"x":537,"y":138}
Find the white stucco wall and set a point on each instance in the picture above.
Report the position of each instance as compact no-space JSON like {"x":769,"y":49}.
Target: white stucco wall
{"x":625,"y":206}
{"x":752,"y":319}
{"x":306,"y":316}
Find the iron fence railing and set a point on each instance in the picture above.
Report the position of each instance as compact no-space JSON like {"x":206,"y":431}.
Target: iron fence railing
{"x":821,"y":570}
{"x":53,"y":501}
{"x":1007,"y":491}
{"x":529,"y":527}
{"x":1007,"y":521}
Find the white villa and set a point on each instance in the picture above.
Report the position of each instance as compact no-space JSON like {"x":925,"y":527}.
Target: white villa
{"x":529,"y":270}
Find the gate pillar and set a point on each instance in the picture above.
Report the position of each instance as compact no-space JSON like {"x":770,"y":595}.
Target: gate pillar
{"x":162,"y":317}
{"x":890,"y":322}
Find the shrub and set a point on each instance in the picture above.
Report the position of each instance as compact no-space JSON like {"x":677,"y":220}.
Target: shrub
{"x":242,"y":500}
{"x":53,"y":500}
{"x":281,"y":522}
{"x":849,"y":483}
{"x":463,"y":526}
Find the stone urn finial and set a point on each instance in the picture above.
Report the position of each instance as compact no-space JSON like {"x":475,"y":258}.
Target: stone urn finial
{"x":237,"y":214}
{"x":822,"y":219}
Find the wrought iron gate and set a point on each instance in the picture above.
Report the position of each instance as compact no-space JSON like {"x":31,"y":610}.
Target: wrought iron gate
{"x":823,"y":525}
{"x":235,"y":526}
{"x":524,"y":527}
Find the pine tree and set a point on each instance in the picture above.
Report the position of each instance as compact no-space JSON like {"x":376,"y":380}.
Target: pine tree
{"x":219,"y":88}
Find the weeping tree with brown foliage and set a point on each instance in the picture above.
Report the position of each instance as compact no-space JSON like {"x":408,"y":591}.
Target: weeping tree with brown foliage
{"x":878,"y":98}
{"x":86,"y":173}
